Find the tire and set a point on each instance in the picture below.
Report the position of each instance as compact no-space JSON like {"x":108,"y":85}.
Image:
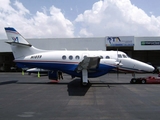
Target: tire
{"x":143,"y":81}
{"x":85,"y":84}
{"x":133,"y":80}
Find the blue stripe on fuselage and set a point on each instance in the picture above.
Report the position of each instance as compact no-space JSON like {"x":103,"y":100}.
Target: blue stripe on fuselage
{"x":47,"y":65}
{"x":68,"y":68}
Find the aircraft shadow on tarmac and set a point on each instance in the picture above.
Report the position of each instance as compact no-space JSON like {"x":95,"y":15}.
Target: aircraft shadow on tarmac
{"x":8,"y":82}
{"x":75,"y":87}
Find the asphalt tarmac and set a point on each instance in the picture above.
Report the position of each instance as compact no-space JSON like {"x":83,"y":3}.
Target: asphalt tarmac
{"x":106,"y":98}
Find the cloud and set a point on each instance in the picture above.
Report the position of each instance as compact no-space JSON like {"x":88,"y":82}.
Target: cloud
{"x":117,"y":17}
{"x":85,"y":33}
{"x":105,"y":18}
{"x":21,"y":9}
{"x":42,"y":24}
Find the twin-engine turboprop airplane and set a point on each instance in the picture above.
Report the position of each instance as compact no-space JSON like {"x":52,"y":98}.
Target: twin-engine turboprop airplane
{"x":83,"y":64}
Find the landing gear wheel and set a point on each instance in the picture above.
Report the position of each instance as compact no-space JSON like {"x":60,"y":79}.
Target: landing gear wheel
{"x":84,"y":84}
{"x":143,"y":81}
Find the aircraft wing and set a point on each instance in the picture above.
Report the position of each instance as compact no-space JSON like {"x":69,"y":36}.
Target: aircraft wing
{"x":88,"y":63}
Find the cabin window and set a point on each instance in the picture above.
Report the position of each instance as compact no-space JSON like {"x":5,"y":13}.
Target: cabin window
{"x":85,"y":56}
{"x":119,"y":56}
{"x":101,"y":57}
{"x":70,"y":57}
{"x":77,"y":57}
{"x":107,"y":57}
{"x":63,"y":57}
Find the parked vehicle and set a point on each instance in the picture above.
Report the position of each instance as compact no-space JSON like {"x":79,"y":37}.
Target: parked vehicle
{"x":149,"y":80}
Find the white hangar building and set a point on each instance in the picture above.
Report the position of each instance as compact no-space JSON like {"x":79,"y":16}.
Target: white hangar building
{"x":146,"y":49}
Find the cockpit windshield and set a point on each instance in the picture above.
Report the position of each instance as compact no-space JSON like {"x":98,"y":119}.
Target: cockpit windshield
{"x":119,"y":56}
{"x":122,"y":56}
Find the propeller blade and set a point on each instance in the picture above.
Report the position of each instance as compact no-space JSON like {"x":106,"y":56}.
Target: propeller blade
{"x":118,"y":64}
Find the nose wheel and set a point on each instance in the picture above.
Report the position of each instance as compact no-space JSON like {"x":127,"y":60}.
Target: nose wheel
{"x":85,"y":84}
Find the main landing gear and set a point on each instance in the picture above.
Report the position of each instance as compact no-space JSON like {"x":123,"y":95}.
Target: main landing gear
{"x":84,"y":78}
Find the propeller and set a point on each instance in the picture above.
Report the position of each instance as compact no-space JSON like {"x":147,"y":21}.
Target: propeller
{"x":118,"y":64}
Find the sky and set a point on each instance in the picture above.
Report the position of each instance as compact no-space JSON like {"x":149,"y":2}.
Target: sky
{"x":80,"y":18}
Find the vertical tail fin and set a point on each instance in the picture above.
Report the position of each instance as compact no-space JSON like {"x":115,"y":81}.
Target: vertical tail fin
{"x":20,"y":47}
{"x":15,"y":37}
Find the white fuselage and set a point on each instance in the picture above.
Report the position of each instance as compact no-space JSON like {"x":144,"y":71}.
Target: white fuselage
{"x":74,"y":57}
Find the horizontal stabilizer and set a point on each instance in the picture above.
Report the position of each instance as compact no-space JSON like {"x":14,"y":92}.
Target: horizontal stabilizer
{"x":18,"y":44}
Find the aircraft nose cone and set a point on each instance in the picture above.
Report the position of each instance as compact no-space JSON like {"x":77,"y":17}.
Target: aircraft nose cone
{"x":150,"y":68}
{"x":144,"y":66}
